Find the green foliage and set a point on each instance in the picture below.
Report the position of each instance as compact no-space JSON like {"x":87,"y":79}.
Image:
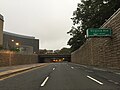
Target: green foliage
{"x":64,"y":51}
{"x":1,"y":48}
{"x":15,"y":49}
{"x":44,"y":51}
{"x":89,"y":14}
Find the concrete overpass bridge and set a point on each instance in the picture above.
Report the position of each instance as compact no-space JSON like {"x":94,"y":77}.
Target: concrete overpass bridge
{"x":51,"y":57}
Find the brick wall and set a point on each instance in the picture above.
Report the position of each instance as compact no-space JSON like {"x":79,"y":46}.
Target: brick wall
{"x":102,"y":52}
{"x":10,"y":58}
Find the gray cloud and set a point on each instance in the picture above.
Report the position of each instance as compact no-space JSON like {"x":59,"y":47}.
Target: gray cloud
{"x":48,"y":20}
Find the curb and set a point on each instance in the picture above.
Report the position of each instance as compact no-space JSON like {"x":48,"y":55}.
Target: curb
{"x":10,"y":72}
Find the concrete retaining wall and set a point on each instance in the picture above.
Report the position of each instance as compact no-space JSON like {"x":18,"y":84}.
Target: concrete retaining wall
{"x":1,"y":30}
{"x":10,"y":58}
{"x":102,"y":52}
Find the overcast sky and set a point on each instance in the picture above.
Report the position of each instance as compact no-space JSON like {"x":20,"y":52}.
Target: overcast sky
{"x":47,"y":20}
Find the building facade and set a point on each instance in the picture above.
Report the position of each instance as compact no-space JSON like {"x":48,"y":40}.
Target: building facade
{"x":26,"y":44}
{"x":1,"y":30}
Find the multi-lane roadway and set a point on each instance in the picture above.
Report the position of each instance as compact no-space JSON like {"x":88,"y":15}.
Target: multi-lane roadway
{"x":62,"y":76}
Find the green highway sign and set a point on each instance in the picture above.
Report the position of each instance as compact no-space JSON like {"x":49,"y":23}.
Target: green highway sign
{"x":98,"y":32}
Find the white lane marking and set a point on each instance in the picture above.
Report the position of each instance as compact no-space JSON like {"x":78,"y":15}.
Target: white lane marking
{"x":44,"y":82}
{"x":99,"y":69}
{"x":53,"y":68}
{"x":118,"y":73}
{"x":110,"y":80}
{"x":83,"y":66}
{"x":113,"y":81}
{"x":72,"y":67}
{"x":88,"y":71}
{"x":95,"y":80}
{"x":116,"y":82}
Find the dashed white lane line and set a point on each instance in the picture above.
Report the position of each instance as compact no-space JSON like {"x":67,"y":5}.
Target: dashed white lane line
{"x":113,"y":81}
{"x":118,"y":73}
{"x":44,"y":81}
{"x":88,"y":71}
{"x":116,"y":83}
{"x":72,"y":67}
{"x":99,"y":69}
{"x":95,"y":80}
{"x":83,"y":66}
{"x":53,"y":68}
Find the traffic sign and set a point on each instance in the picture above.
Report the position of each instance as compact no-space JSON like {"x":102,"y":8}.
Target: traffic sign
{"x":98,"y":32}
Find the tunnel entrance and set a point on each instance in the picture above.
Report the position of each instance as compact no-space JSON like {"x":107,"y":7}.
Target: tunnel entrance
{"x":45,"y":58}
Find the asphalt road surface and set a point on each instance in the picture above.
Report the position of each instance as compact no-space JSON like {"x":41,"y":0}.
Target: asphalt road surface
{"x":62,"y":76}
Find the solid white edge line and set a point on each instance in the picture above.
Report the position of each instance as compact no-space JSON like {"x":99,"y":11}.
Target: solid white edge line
{"x":95,"y":80}
{"x":44,"y":81}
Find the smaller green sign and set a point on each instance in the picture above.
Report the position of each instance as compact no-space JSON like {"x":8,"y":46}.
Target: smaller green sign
{"x":97,"y":32}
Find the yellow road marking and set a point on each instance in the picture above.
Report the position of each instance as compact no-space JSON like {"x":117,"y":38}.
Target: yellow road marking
{"x":12,"y":75}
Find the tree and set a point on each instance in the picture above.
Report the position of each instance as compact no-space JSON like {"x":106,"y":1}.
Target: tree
{"x":15,"y":49}
{"x":89,"y":14}
{"x":42,"y":51}
{"x":64,"y":51}
{"x":77,"y":40}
